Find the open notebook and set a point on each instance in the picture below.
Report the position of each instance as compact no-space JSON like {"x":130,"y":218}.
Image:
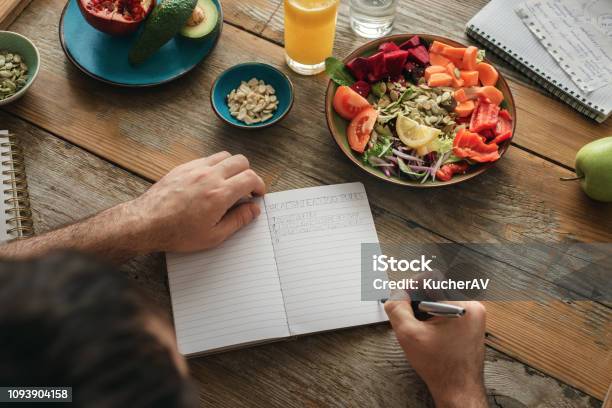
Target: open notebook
{"x":295,"y":270}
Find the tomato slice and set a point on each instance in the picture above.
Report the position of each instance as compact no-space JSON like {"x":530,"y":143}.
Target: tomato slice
{"x":360,"y":129}
{"x":348,"y":103}
{"x":469,"y":145}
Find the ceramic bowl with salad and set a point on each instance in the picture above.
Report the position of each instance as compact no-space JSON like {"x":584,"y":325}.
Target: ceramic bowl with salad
{"x":419,"y":110}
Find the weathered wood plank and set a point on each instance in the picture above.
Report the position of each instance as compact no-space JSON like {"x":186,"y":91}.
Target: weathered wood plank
{"x":356,"y":367}
{"x":544,"y":125}
{"x":9,"y":11}
{"x":250,"y":15}
{"x":520,"y":198}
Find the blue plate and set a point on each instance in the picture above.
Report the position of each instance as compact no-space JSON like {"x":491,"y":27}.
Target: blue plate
{"x":105,"y":58}
{"x":231,"y":79}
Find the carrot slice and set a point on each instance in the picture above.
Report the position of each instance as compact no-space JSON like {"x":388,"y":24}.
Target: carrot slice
{"x":453,"y":52}
{"x":437,"y":47}
{"x":433,"y":69}
{"x":464,"y":109}
{"x":487,"y":73}
{"x":454,"y":72}
{"x":465,"y":94}
{"x":470,"y":78}
{"x":460,"y":95}
{"x":439,"y":80}
{"x":469,"y":58}
{"x":491,"y":93}
{"x":437,"y":59}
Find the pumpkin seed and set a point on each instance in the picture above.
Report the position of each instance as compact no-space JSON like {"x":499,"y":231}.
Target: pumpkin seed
{"x":13,"y":74}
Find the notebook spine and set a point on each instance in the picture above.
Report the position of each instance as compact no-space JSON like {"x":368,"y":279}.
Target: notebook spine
{"x":566,"y":95}
{"x":15,"y":191}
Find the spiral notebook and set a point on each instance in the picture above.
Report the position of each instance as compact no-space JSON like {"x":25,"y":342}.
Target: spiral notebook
{"x":295,"y":270}
{"x":500,"y":30}
{"x":15,"y":214}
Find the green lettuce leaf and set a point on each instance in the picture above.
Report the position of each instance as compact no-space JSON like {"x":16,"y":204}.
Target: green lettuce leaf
{"x":337,"y":72}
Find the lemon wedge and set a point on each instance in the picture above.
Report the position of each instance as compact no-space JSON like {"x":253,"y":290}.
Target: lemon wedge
{"x":432,"y":146}
{"x":414,"y":135}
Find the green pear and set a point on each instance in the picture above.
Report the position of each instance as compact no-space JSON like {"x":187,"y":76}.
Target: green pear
{"x":594,"y":169}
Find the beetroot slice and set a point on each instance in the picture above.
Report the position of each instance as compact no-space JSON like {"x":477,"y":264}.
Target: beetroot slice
{"x":419,"y":55}
{"x":377,"y":67}
{"x":362,"y":88}
{"x":410,"y":66}
{"x":395,"y":61}
{"x":413,"y":42}
{"x":388,"y":47}
{"x":359,"y":67}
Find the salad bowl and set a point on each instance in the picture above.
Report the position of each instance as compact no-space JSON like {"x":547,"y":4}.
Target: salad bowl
{"x":338,"y":125}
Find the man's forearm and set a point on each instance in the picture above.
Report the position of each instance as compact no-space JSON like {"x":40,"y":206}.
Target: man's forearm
{"x":115,"y":234}
{"x":472,"y":396}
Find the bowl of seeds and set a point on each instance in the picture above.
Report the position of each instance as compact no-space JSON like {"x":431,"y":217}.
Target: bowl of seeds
{"x":19,"y":64}
{"x":252,"y":95}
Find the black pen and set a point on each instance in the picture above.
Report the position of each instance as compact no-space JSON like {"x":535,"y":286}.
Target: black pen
{"x":424,"y":310}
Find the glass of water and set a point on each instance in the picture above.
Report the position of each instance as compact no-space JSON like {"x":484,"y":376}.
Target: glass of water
{"x":372,"y":18}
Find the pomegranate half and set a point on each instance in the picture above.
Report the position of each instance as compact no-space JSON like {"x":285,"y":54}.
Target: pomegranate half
{"x":116,"y":17}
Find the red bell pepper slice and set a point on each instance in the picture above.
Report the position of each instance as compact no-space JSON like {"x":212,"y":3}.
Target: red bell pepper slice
{"x":469,"y":145}
{"x":485,"y":116}
{"x":502,"y":138}
{"x":504,"y":123}
{"x":505,"y":114}
{"x":447,"y":171}
{"x":488,"y":134}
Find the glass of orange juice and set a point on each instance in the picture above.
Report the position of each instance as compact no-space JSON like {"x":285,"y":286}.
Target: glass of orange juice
{"x":310,"y":26}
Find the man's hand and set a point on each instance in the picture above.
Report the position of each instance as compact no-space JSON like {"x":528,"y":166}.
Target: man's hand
{"x":448,"y":353}
{"x":190,"y":208}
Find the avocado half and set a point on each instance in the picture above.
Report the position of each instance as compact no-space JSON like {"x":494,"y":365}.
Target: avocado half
{"x":163,"y":23}
{"x":203,"y":20}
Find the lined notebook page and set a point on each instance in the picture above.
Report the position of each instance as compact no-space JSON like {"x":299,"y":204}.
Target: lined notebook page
{"x":317,"y":234}
{"x":229,"y":295}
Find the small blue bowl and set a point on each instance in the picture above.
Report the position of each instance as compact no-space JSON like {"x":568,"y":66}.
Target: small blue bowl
{"x":231,"y":78}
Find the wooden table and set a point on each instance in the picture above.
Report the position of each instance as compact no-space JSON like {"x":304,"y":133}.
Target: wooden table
{"x":89,"y":146}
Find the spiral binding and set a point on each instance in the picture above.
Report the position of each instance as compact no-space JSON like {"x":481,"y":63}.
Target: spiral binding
{"x":16,"y":197}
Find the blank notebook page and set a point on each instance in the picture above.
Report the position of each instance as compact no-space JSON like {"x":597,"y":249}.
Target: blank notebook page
{"x":229,"y":295}
{"x":317,"y":234}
